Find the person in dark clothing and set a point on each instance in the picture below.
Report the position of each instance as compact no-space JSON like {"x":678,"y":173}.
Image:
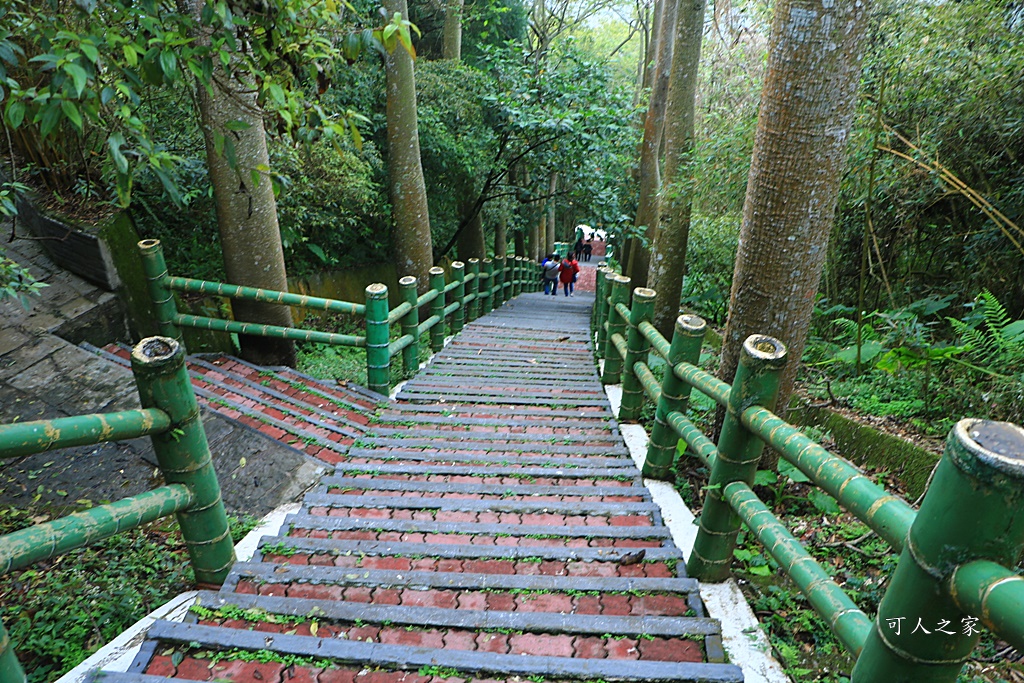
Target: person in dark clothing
{"x":577,"y":248}
{"x":588,"y":249}
{"x":550,"y":268}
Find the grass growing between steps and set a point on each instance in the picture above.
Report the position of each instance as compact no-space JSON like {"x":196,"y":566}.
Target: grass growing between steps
{"x":61,"y":611}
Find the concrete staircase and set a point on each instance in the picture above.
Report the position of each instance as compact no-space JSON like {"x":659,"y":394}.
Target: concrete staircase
{"x":488,"y":525}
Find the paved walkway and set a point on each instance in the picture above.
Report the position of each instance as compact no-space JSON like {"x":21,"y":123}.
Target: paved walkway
{"x":489,"y":525}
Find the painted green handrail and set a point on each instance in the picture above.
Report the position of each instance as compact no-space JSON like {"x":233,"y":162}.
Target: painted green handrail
{"x":26,"y":438}
{"x":39,"y":542}
{"x":261,"y":330}
{"x":454,"y":301}
{"x":955,"y":551}
{"x":268,"y":296}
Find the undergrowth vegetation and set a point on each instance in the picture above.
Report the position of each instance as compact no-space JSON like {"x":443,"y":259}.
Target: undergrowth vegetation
{"x":59,"y":612}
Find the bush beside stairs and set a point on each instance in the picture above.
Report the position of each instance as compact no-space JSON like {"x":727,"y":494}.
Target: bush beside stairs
{"x":488,"y":525}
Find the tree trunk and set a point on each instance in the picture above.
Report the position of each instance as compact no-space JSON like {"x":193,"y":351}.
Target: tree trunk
{"x":246,"y":211}
{"x":550,"y":232}
{"x":413,"y":249}
{"x":807,"y":107}
{"x":470,"y":240}
{"x":451,"y":45}
{"x":668,"y":257}
{"x":542,"y":232}
{"x":520,"y":241}
{"x":501,"y":235}
{"x":654,"y":125}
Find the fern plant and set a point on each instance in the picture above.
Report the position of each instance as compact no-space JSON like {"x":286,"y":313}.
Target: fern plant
{"x":995,"y":340}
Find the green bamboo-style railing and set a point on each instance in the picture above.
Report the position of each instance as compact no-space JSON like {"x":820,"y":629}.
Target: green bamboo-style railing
{"x":472,"y":292}
{"x":958,"y":550}
{"x":170,"y":417}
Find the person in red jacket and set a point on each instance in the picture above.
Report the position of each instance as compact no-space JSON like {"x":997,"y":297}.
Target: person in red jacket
{"x":567,"y":271}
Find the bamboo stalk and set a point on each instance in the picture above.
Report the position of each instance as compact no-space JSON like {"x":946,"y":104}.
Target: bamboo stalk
{"x":636,"y":352}
{"x":378,"y":355}
{"x":410,"y":326}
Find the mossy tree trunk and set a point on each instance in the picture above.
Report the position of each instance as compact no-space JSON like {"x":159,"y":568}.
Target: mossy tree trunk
{"x":413,"y":247}
{"x":470,"y":239}
{"x":246,"y":208}
{"x":668,"y":256}
{"x":807,"y":108}
{"x":549,"y":233}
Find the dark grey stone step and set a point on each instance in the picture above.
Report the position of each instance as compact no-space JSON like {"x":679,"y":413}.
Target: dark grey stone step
{"x":482,"y":489}
{"x":420,"y":526}
{"x":468,"y":552}
{"x":500,"y":433}
{"x":406,"y":657}
{"x":545,"y":413}
{"x":267,"y":572}
{"x":560,"y":470}
{"x":435,"y":396}
{"x":468,"y":444}
{"x":574,"y":508}
{"x":540,"y":622}
{"x":480,"y":459}
{"x":388,"y":417}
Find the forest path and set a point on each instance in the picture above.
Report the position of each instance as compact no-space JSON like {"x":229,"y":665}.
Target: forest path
{"x":489,"y":524}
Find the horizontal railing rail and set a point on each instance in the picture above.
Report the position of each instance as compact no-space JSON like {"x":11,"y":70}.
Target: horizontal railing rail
{"x":951,"y":565}
{"x":170,"y":417}
{"x":475,"y":289}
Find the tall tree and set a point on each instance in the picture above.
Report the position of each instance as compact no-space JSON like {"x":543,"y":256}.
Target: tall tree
{"x":650,"y":149}
{"x":471,"y":242}
{"x":501,"y":233}
{"x":236,"y":156}
{"x":668,"y":255}
{"x":413,"y":247}
{"x":549,"y":234}
{"x":451,"y":46}
{"x":807,"y":107}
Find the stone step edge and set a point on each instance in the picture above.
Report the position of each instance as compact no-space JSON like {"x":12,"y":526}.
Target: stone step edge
{"x":381,"y":431}
{"x":627,"y":472}
{"x":429,"y":617}
{"x":410,"y":394}
{"x":417,"y":526}
{"x":357,"y":483}
{"x":414,"y":658}
{"x":364,"y":393}
{"x":486,"y":446}
{"x":604,"y":414}
{"x":480,"y":459}
{"x":350,"y":427}
{"x":451,"y":551}
{"x":386,"y":417}
{"x":340,"y":500}
{"x":270,"y":572}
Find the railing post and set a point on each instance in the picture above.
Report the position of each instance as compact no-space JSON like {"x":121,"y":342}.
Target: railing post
{"x":487,"y":272}
{"x":378,"y":358}
{"x":10,"y":668}
{"x":616,"y":325}
{"x":155,"y":268}
{"x":595,"y":313}
{"x":756,"y":383}
{"x":517,"y":276}
{"x":183,"y":455}
{"x":499,"y":281}
{"x":607,"y":278}
{"x":437,"y":308}
{"x":459,"y":314}
{"x":473,"y":268}
{"x":973,"y":509}
{"x":687,"y":338}
{"x":637,"y":348}
{"x":410,"y":325}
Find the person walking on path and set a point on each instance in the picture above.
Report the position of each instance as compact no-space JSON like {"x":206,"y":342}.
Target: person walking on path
{"x":550,"y":268}
{"x":588,"y":249}
{"x":567,"y":271}
{"x":577,"y":249}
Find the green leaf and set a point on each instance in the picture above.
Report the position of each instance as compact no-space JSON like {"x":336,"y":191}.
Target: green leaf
{"x":78,"y":77}
{"x":49,"y":119}
{"x":237,"y":125}
{"x":318,"y":251}
{"x":765,"y":477}
{"x":761,"y":570}
{"x":114,"y":143}
{"x":824,"y":502}
{"x":90,"y":51}
{"x":790,"y":471}
{"x":276,"y":93}
{"x":130,"y":54}
{"x":15,"y":113}
{"x":868,"y":351}
{"x":71,"y":111}
{"x":169,"y":65}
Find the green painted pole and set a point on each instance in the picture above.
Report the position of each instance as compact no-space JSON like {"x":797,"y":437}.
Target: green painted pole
{"x":517,"y":276}
{"x":687,"y":338}
{"x":757,"y":383}
{"x":10,"y":669}
{"x":605,"y":280}
{"x":996,"y":594}
{"x":459,"y":293}
{"x":487,"y":272}
{"x":437,"y":309}
{"x":499,"y":281}
{"x":27,"y":438}
{"x":378,"y":358}
{"x":473,"y":268}
{"x":616,"y":325}
{"x":410,"y":325}
{"x":160,"y":294}
{"x":637,"y":349}
{"x":183,"y":455}
{"x":973,"y":510}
